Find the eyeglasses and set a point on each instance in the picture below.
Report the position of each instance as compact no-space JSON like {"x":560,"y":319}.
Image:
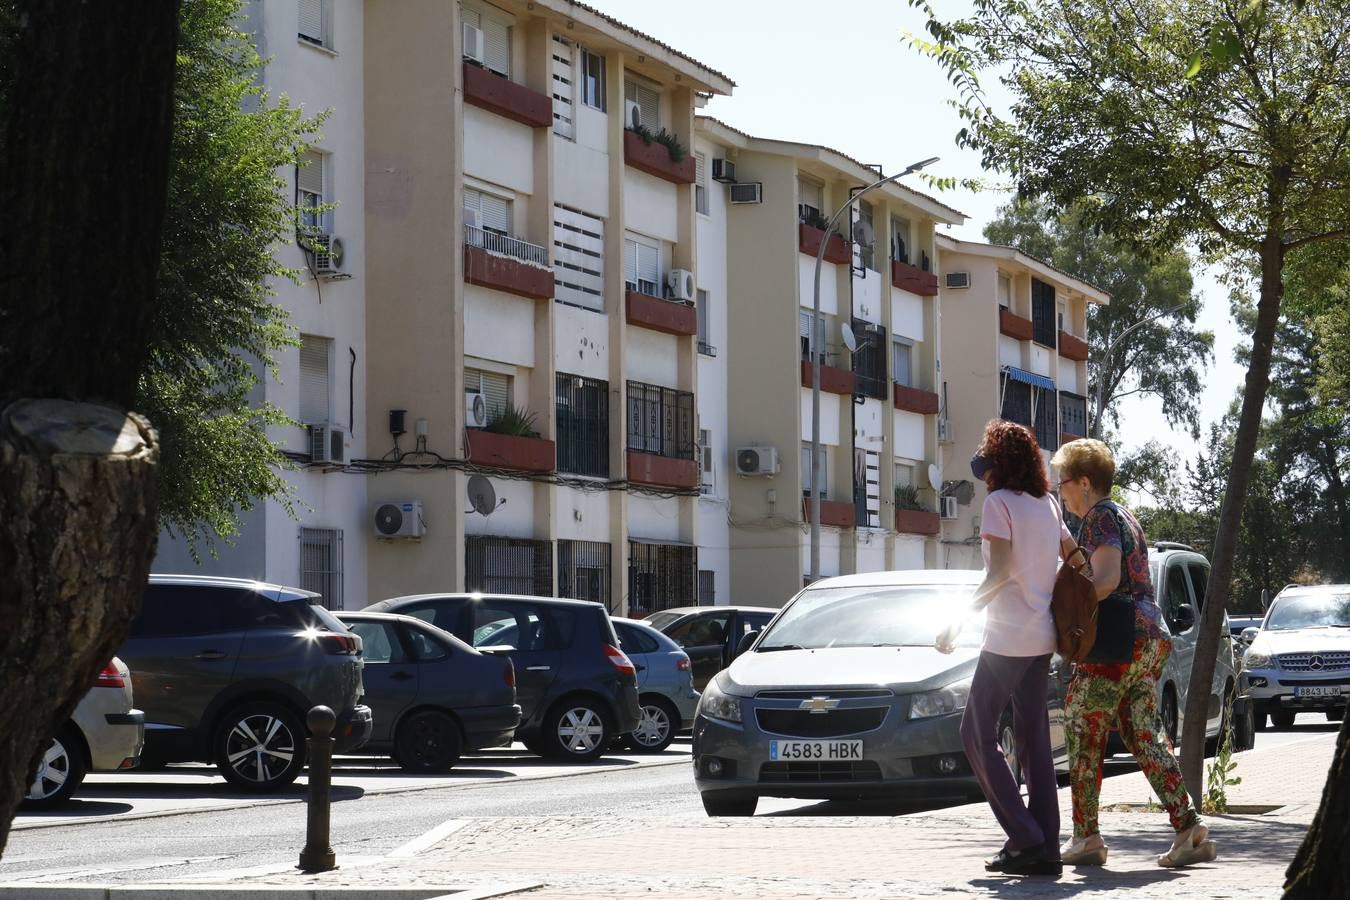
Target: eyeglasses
{"x":1067,"y":481}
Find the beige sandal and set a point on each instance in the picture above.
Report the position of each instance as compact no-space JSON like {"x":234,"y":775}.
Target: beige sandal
{"x":1084,"y":851}
{"x":1191,"y":846}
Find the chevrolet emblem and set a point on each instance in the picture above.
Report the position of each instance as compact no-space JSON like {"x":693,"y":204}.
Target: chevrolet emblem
{"x":818,"y":705}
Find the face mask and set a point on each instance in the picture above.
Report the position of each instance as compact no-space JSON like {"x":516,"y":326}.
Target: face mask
{"x":980,"y":466}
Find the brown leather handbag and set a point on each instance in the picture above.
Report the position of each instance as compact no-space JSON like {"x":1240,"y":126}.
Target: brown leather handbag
{"x":1074,"y":607}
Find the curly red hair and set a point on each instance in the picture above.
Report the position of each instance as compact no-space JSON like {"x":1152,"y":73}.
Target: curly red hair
{"x":1015,"y":458}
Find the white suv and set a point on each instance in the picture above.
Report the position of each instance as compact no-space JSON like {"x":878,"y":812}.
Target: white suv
{"x":1299,"y":659}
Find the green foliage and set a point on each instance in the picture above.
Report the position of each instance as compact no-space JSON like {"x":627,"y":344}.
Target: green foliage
{"x":216,"y":330}
{"x":672,"y":144}
{"x":513,"y":420}
{"x":1162,"y":358}
{"x":907,"y":497}
{"x":1221,"y":777}
{"x":643,"y":132}
{"x":816,"y":219}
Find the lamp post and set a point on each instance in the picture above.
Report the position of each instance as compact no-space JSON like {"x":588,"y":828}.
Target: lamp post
{"x":817,"y":489}
{"x":1096,"y":429}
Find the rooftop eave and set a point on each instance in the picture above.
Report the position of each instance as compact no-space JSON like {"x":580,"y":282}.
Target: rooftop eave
{"x":1090,"y":292}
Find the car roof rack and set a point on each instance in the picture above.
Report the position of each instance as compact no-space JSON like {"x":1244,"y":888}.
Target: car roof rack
{"x":1172,"y":545}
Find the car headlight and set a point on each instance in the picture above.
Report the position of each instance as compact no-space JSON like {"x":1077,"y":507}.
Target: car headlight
{"x":716,"y":705}
{"x":1252,"y":660}
{"x":949,"y":699}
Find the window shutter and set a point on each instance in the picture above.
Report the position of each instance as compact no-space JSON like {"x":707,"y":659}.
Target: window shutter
{"x":578,"y":258}
{"x":564,"y":89}
{"x":311,"y":21}
{"x":497,"y":46}
{"x":809,"y":193}
{"x":650,"y":101}
{"x":648,"y":264}
{"x":705,"y":453}
{"x":494,"y":386}
{"x":630,"y":265}
{"x":314,"y":356}
{"x":699,"y":166}
{"x":701,"y":309}
{"x":310,"y":175}
{"x":902,"y":363}
{"x":495,"y":213}
{"x":872,"y":480}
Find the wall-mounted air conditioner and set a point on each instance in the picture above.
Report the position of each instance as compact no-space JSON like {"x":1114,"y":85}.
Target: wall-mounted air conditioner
{"x":957,"y":280}
{"x":757,"y":460}
{"x":632,"y":114}
{"x":947,"y":507}
{"x":327,"y":444}
{"x":746,"y":192}
{"x":724,"y":170}
{"x":681,"y":284}
{"x":402,"y":519}
{"x":327,"y":251}
{"x":475,"y":410}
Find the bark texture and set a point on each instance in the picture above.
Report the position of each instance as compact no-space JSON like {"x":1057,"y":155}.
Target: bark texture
{"x":1319,"y":869}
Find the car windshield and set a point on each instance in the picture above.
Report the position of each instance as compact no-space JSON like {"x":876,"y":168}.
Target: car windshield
{"x":659,"y":620}
{"x":873,"y":616}
{"x":1311,"y":610}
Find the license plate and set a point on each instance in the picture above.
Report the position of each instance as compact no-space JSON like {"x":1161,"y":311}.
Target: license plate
{"x":815,"y":750}
{"x":1334,"y":690}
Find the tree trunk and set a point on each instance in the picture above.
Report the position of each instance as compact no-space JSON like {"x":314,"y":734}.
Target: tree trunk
{"x":1330,"y":462}
{"x":1230,"y":516}
{"x":1318,"y":869}
{"x":86,"y":108}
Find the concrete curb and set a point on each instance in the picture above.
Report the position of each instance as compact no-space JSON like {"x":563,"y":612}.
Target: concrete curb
{"x":261,"y":892}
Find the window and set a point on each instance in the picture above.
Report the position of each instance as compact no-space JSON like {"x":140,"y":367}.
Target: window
{"x":703,"y":630}
{"x":642,"y":267}
{"x":494,"y":41}
{"x":1016,"y":401}
{"x":902,"y":362}
{"x":593,"y":80}
{"x":495,"y":388}
{"x":531,"y":627}
{"x":865,"y":254}
{"x":1063,"y":317}
{"x":1177,"y":596}
{"x":648,"y":100}
{"x":583,"y":572}
{"x":1035,"y":407}
{"x":564,"y":116}
{"x":701,"y":183}
{"x":705,"y":345}
{"x":425,"y":646}
{"x":904,"y":475}
{"x":316,"y":354}
{"x":1004,"y":291}
{"x":578,"y":259}
{"x":316,"y":17}
{"x":501,"y":565}
{"x":869,"y":359}
{"x":810,"y":337}
{"x":487,"y":212}
{"x":321,"y":564}
{"x":901,"y":240}
{"x":171,"y":610}
{"x":821,"y":458}
{"x":708,"y":477}
{"x":660,"y":576}
{"x":1072,"y":414}
{"x":810,"y":200}
{"x":311,"y":196}
{"x":1047,"y":418}
{"x":707,"y":587}
{"x":582,"y":406}
{"x":1199,"y":583}
{"x":1042,"y":313}
{"x":379,"y":642}
{"x":633,"y":639}
{"x":660,"y":421}
{"x":867,"y":487}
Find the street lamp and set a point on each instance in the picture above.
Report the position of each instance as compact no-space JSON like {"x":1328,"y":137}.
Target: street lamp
{"x":817,"y":489}
{"x":1097,"y":411}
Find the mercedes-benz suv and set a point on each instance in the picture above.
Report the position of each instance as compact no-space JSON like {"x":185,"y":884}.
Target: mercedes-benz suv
{"x":1299,"y":659}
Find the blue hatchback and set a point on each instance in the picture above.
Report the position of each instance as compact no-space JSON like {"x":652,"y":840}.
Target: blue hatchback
{"x":665,"y":685}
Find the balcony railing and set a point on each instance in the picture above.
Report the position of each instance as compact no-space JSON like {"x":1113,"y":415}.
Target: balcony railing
{"x":505,"y":245}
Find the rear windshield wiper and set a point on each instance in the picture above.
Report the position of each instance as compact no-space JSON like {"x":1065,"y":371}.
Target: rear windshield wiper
{"x":773,"y":647}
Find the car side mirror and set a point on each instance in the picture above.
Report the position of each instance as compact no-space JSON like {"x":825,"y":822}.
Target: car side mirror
{"x":746,"y":640}
{"x":1249,"y":634}
{"x":1185,"y":616}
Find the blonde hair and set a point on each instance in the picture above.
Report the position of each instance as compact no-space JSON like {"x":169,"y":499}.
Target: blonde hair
{"x":1087,"y":457}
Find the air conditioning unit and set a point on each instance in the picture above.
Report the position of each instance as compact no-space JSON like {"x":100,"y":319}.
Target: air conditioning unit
{"x":475,"y":410}
{"x":473,"y":43}
{"x":746,"y":192}
{"x":681,"y":284}
{"x":327,"y":445}
{"x":958,"y":280}
{"x":327,"y":251}
{"x":945,"y":431}
{"x":399,"y":520}
{"x":724,"y":170}
{"x":632,"y":114}
{"x":947,"y":507}
{"x":757,"y":460}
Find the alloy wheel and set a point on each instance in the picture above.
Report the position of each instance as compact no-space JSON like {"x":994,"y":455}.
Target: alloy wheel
{"x":580,"y":730}
{"x":1007,"y":743}
{"x":260,"y":747}
{"x":52,"y":772}
{"x":653,"y":727}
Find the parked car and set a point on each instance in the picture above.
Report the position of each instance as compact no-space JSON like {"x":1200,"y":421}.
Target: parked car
{"x":432,"y":695}
{"x":1298,"y":660}
{"x":665,"y":685}
{"x":710,"y":635}
{"x":105,"y":733}
{"x":576,"y":688}
{"x":226,"y":669}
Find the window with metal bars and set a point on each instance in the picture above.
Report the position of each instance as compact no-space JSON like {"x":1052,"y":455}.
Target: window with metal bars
{"x":1073,"y":414}
{"x":707,"y":587}
{"x":1047,"y":419}
{"x":1042,"y":416}
{"x":1042,"y":313}
{"x":660,"y":576}
{"x":321,"y":564}
{"x":582,"y":406}
{"x":660,"y":421}
{"x":502,"y":565}
{"x":869,"y":360}
{"x":583,"y":572}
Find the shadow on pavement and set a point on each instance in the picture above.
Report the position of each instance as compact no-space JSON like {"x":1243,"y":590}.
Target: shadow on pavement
{"x":893,"y":807}
{"x":152,"y":790}
{"x":75,"y":807}
{"x":1094,"y":880}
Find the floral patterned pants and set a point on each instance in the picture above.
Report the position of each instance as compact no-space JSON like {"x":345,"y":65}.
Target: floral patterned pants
{"x":1101,"y":695}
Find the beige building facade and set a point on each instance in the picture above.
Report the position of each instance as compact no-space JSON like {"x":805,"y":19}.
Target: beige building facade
{"x":1015,"y":338}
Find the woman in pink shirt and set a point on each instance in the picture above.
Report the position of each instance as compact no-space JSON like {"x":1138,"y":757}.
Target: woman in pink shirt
{"x":1023,"y":536}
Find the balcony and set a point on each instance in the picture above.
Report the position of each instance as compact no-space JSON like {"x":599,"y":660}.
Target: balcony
{"x":497,"y":93}
{"x":837,"y":249}
{"x":510,"y":451}
{"x":925,"y":403}
{"x":654,"y":159}
{"x":662,"y":471}
{"x":917,"y":521}
{"x":505,"y":263}
{"x":660,"y":315}
{"x":1013,"y":325}
{"x":1066,"y":436}
{"x":837,"y":513}
{"x":1072,"y":347}
{"x":913,"y":279}
{"x":832,"y":380}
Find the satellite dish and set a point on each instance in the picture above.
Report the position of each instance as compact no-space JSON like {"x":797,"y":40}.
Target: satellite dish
{"x":482,"y":496}
{"x":863,"y":233}
{"x":850,"y":341}
{"x":934,"y":475}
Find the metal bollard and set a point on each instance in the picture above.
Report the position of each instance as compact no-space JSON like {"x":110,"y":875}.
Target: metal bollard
{"x":318,"y":853}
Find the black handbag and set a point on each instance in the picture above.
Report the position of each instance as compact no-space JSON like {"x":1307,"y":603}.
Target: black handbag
{"x":1115,"y":619}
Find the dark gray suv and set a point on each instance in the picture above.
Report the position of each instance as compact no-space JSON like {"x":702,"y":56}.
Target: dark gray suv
{"x":225,"y":670}
{"x":576,"y":688}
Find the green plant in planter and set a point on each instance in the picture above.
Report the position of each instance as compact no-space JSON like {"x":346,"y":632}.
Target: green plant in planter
{"x":907,"y":497}
{"x":643,"y":132}
{"x":672,"y":144}
{"x":515,"y":421}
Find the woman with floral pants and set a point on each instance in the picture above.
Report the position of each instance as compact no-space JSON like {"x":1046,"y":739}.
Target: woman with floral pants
{"x":1103,"y":694}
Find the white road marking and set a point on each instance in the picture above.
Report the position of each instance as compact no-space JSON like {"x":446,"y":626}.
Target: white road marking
{"x":428,"y":839}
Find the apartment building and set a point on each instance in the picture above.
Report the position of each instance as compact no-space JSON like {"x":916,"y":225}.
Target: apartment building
{"x":1019,"y":329}
{"x":531,"y":304}
{"x":879,"y":401}
{"x":314,"y":52}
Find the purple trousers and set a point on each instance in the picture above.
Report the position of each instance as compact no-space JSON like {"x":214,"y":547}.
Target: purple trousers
{"x":1023,"y":680}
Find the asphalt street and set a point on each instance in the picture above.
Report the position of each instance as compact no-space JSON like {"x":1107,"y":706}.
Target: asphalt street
{"x":377,"y":810}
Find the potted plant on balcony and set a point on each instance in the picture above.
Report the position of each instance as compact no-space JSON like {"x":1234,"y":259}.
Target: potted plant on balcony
{"x":515,"y":421}
{"x":910,"y":515}
{"x":510,"y":441}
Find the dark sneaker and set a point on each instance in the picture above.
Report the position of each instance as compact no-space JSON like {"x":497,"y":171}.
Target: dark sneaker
{"x":1031,"y":862}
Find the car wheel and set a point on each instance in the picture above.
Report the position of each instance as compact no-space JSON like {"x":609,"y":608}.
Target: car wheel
{"x":576,"y":730}
{"x":428,"y":742}
{"x":260,"y":746}
{"x":1169,"y":715}
{"x":657,"y":728}
{"x":1007,"y":742}
{"x":1282,"y":718}
{"x":725,"y":803}
{"x":59,"y":773}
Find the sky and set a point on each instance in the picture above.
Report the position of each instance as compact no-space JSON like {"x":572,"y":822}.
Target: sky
{"x":850,"y":82}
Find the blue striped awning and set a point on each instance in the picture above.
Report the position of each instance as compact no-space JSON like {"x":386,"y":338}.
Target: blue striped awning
{"x":1030,"y":378}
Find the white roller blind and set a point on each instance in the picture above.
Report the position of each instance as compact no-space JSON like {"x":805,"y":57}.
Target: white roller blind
{"x":496,"y":46}
{"x":564,"y":92}
{"x":494,"y":213}
{"x":700,"y":183}
{"x":641,"y":266}
{"x":315,"y":353}
{"x":809,"y":192}
{"x":310,"y":176}
{"x":648,"y":100}
{"x":311,"y":25}
{"x":494,"y":386}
